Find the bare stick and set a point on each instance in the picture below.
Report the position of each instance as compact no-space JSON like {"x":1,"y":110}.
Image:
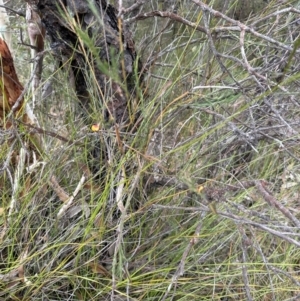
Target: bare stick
{"x":257,"y":247}
{"x":167,"y":14}
{"x":283,"y":235}
{"x":249,"y":68}
{"x":119,"y":200}
{"x":64,"y":208}
{"x":237,"y":25}
{"x":134,"y":6}
{"x":180,"y":270}
{"x":16,"y":183}
{"x":261,"y":186}
{"x":244,"y":245}
{"x":245,"y":136}
{"x":241,"y":26}
{"x":17,"y":12}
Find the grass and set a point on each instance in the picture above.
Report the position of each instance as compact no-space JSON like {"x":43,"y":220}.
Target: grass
{"x":179,"y":215}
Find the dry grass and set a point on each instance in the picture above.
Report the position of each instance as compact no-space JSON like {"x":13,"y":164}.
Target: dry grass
{"x":207,"y":192}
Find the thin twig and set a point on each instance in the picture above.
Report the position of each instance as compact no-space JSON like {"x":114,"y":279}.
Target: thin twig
{"x":133,"y":7}
{"x":241,"y":26}
{"x":16,"y":183}
{"x":244,"y":246}
{"x":283,"y":235}
{"x":215,"y":87}
{"x":70,"y":201}
{"x":275,"y":14}
{"x":24,"y":43}
{"x":180,"y":269}
{"x":245,"y":136}
{"x":25,"y":90}
{"x":17,"y":12}
{"x":212,"y":46}
{"x":257,"y":247}
{"x":49,"y":133}
{"x":271,"y":200}
{"x":251,"y":70}
{"x":120,"y":196}
{"x":167,"y":14}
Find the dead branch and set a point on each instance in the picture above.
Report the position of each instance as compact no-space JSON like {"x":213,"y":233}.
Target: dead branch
{"x":69,"y":202}
{"x":133,"y":7}
{"x":241,"y":25}
{"x":17,"y":12}
{"x":167,"y":14}
{"x":261,"y":186}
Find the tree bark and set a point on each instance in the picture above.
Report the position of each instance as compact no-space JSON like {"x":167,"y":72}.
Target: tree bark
{"x":111,"y":40}
{"x":36,"y":33}
{"x":103,"y":63}
{"x":10,"y":87}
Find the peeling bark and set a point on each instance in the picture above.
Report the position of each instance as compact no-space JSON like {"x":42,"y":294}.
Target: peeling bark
{"x":36,"y":32}
{"x":12,"y":106}
{"x":11,"y":88}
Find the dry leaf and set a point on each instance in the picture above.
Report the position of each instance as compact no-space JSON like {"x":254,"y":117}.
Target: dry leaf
{"x":99,"y":269}
{"x":63,"y":196}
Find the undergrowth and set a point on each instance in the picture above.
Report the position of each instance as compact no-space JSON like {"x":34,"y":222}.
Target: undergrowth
{"x":200,"y":203}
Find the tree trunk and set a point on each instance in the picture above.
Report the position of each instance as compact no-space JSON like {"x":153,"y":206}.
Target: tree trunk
{"x":110,"y":40}
{"x":103,"y":63}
